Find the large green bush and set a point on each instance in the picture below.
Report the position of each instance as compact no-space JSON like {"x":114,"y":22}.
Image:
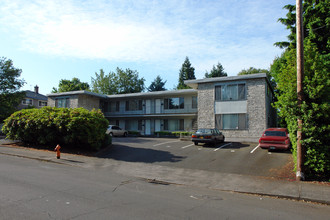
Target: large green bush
{"x":76,"y":127}
{"x":315,"y":110}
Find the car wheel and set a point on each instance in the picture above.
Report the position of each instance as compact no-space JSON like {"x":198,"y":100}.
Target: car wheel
{"x":125,"y":134}
{"x":196,"y":143}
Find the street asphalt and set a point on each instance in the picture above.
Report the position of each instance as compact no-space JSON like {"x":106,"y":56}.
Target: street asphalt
{"x":304,"y":191}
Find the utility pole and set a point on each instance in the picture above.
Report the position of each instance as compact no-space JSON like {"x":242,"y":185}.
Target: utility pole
{"x":300,"y":77}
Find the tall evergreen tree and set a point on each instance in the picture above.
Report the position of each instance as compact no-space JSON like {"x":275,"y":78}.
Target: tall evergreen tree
{"x":157,"y":85}
{"x":216,"y":71}
{"x":186,"y":72}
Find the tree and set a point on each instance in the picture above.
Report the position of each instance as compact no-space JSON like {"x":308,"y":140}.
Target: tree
{"x":314,"y":111}
{"x":217,"y":71}
{"x":157,"y":85}
{"x":316,"y":23}
{"x":104,"y":84}
{"x":71,"y":85}
{"x":10,"y":84}
{"x":186,"y":72}
{"x":119,"y":82}
{"x":252,"y":70}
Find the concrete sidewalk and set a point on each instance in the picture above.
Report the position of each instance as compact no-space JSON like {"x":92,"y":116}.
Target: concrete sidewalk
{"x":315,"y":192}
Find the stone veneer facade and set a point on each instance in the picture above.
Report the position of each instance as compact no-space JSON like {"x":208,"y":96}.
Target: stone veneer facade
{"x":256,"y":90}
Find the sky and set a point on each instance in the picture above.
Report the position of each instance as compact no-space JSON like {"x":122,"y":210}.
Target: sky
{"x":52,"y":40}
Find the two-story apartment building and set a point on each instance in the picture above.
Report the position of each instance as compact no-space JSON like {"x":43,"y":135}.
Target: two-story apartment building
{"x":240,"y":106}
{"x":144,"y":112}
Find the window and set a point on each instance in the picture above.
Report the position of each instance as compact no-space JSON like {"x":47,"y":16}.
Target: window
{"x":133,"y":105}
{"x":174,"y":103}
{"x":27,"y":101}
{"x":230,"y":92}
{"x":42,"y":103}
{"x":173,"y":124}
{"x":62,"y":103}
{"x":114,"y":106}
{"x":194,"y":102}
{"x":231,"y":121}
{"x":117,"y":106}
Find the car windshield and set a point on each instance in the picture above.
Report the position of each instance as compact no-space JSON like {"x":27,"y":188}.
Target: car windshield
{"x":204,"y":131}
{"x":275,"y":133}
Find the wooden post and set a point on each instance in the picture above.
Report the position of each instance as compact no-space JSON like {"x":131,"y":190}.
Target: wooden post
{"x":300,"y":77}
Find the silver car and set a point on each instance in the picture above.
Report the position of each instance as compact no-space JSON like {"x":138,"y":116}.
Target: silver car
{"x":114,"y":130}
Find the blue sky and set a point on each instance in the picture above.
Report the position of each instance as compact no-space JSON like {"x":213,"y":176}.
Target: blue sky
{"x":52,"y":40}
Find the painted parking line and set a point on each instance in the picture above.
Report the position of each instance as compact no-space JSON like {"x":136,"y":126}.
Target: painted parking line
{"x":187,"y":146}
{"x":222,"y":147}
{"x":165,"y":143}
{"x":251,"y":152}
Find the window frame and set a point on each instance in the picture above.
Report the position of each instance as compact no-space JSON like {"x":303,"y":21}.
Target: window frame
{"x":169,"y":106}
{"x":24,"y":101}
{"x":242,"y":122}
{"x":221,"y":92}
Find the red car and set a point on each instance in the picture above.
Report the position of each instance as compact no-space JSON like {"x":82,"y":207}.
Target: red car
{"x":275,"y":138}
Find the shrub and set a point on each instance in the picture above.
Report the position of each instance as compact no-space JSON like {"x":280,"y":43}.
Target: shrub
{"x":64,"y":126}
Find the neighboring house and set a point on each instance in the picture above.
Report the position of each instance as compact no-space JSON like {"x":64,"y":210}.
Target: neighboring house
{"x":240,"y":106}
{"x":33,"y":99}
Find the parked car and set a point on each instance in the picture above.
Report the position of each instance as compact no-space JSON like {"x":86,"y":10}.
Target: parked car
{"x":275,"y":138}
{"x":208,"y":135}
{"x":114,"y":130}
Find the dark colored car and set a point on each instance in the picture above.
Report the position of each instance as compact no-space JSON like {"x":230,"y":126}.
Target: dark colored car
{"x":208,"y":135}
{"x":275,"y":138}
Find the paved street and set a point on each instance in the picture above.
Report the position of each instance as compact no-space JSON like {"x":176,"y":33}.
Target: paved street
{"x":41,"y":189}
{"x":228,"y":157}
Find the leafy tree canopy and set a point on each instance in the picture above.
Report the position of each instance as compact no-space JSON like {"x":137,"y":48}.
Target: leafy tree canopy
{"x":316,"y":23}
{"x":314,"y":110}
{"x":10,"y":84}
{"x":157,"y":85}
{"x":186,"y":72}
{"x":71,"y":85}
{"x":216,"y":71}
{"x":119,"y":82}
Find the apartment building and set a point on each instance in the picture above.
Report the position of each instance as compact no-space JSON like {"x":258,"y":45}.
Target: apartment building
{"x":240,"y":106}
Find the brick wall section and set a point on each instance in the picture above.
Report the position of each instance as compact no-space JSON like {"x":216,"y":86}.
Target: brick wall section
{"x":256,"y":106}
{"x":206,"y":118}
{"x":77,"y":101}
{"x":87,"y":102}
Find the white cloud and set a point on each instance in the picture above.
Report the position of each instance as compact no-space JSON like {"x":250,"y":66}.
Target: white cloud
{"x":152,"y":31}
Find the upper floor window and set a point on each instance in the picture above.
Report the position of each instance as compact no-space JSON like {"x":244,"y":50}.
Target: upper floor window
{"x":62,"y":103}
{"x":114,"y":106}
{"x":230,"y":92}
{"x":174,"y":103}
{"x":133,"y":105}
{"x":194,"y":102}
{"x":27,"y":101}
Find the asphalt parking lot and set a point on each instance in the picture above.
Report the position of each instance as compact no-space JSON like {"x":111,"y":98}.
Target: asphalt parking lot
{"x":228,"y":157}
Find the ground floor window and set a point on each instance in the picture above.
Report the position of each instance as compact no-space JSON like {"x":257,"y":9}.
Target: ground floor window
{"x":231,"y":121}
{"x":133,"y":125}
{"x":27,"y":101}
{"x":42,"y":103}
{"x":62,"y":103}
{"x":173,"y":124}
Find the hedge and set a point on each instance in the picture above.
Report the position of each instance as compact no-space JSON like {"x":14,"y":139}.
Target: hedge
{"x":50,"y":125}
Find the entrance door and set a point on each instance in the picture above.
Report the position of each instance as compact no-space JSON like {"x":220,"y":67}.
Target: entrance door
{"x":147,"y":127}
{"x":158,"y":106}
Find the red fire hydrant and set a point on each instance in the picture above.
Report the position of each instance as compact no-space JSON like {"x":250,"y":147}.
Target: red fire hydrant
{"x":58,"y":153}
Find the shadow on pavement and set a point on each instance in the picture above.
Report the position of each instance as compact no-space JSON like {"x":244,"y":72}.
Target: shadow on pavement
{"x":229,"y":145}
{"x":131,"y":154}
